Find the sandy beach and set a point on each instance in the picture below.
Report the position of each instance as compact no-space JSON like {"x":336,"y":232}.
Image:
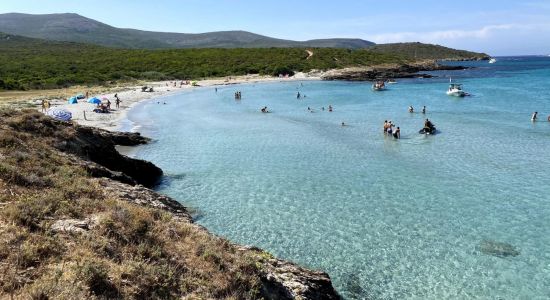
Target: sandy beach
{"x":130,"y":95}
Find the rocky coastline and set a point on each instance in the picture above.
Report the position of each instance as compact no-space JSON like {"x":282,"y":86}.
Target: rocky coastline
{"x":389,"y":71}
{"x":90,"y":152}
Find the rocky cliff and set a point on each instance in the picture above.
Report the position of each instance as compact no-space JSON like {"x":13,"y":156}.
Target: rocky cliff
{"x":77,"y":221}
{"x":387,"y":71}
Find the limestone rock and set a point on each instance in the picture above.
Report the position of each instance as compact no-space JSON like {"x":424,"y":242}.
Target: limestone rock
{"x":74,"y":225}
{"x":285,"y":280}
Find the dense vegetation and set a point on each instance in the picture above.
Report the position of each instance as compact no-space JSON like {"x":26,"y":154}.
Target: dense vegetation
{"x":27,"y":63}
{"x":131,"y":251}
{"x":427,"y":51}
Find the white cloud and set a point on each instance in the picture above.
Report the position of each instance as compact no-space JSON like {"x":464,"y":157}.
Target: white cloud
{"x":445,"y":35}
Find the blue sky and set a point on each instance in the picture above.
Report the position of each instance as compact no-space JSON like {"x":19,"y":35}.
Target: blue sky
{"x":497,"y":27}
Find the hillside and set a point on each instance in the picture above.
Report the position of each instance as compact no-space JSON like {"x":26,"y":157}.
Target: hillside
{"x":75,"y":225}
{"x":27,"y":63}
{"x":427,"y":51}
{"x":76,"y":28}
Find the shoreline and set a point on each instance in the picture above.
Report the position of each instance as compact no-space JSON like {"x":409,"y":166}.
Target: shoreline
{"x":131,"y":95}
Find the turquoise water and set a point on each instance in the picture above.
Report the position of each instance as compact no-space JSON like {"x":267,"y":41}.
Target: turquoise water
{"x":387,"y":219}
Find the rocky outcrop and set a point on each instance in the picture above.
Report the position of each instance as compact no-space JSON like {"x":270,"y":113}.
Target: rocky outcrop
{"x":386,"y":71}
{"x":98,"y":146}
{"x":284,"y":280}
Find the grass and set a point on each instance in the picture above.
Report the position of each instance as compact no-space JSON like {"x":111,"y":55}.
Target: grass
{"x":132,"y":251}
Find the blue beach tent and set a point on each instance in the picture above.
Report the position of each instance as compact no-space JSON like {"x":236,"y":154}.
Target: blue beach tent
{"x":80,"y":96}
{"x":94,"y":100}
{"x":73,"y":100}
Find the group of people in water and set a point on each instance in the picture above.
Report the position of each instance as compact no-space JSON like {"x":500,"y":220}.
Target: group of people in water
{"x":238,"y":95}
{"x":389,"y":129}
{"x":411,"y":109}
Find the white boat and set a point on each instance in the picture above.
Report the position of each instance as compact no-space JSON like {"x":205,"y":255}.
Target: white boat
{"x":391,"y":81}
{"x":455,"y":89}
{"x":378,"y":86}
{"x":492,"y":60}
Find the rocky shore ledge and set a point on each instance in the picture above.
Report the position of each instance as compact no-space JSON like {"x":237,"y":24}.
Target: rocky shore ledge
{"x":387,"y":71}
{"x":78,"y":220}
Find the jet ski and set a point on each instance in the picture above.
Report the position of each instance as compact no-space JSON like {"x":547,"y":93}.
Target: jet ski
{"x":428,"y":130}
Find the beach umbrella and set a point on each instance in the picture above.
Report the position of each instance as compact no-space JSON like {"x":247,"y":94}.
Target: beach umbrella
{"x":59,"y":114}
{"x":94,"y":100}
{"x":80,"y":96}
{"x":73,"y":100}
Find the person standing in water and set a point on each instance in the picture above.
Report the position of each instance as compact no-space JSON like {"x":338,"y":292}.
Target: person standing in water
{"x":411,"y":109}
{"x":397,"y":133}
{"x":534,"y":116}
{"x":330,"y":108}
{"x":424,"y":109}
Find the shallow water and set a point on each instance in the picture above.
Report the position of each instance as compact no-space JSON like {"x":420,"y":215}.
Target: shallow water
{"x":387,"y":219}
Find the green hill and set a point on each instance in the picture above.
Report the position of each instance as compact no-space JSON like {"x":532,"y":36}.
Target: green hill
{"x":27,"y":63}
{"x":427,"y":51}
{"x":76,"y":28}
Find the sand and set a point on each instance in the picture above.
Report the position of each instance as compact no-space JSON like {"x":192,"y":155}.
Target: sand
{"x":131,"y":95}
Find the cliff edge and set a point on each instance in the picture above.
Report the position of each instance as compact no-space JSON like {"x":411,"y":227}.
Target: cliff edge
{"x":78,"y":221}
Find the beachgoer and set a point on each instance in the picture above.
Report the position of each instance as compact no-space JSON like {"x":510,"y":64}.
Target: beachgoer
{"x":411,"y":109}
{"x":216,"y":89}
{"x":428,"y":126}
{"x":397,"y":133}
{"x":117,"y":102}
{"x":298,"y":95}
{"x":87,"y":95}
{"x":108,"y":104}
{"x":385,"y":126}
{"x":43,"y":105}
{"x":323,"y":108}
{"x":264,"y":109}
{"x":390,"y":129}
{"x":534,"y":116}
{"x":330,"y":108}
{"x":344,"y":124}
{"x":424,"y":109}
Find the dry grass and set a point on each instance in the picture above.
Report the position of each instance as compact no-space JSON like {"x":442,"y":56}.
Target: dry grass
{"x":132,"y":252}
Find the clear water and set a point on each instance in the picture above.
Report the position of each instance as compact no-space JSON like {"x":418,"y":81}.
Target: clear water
{"x":387,"y":219}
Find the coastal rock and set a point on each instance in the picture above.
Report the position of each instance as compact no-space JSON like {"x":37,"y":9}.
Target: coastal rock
{"x":498,"y":249}
{"x":285,"y":280}
{"x":143,"y":196}
{"x":387,"y":71}
{"x":98,"y":146}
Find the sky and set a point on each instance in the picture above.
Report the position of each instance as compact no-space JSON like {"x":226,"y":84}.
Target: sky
{"x":505,"y":27}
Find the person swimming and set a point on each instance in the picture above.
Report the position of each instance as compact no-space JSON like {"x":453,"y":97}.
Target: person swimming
{"x":330,"y":108}
{"x":264,"y":109}
{"x":411,"y":109}
{"x":534,"y":116}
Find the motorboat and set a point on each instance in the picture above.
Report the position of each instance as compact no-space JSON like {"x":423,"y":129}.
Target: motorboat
{"x":455,"y":89}
{"x":378,"y":86}
{"x":391,"y":81}
{"x":492,"y":60}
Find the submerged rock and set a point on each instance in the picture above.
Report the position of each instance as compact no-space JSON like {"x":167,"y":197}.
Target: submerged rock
{"x":498,"y":249}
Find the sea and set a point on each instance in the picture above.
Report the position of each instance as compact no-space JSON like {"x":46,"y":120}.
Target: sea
{"x":462,"y":214}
